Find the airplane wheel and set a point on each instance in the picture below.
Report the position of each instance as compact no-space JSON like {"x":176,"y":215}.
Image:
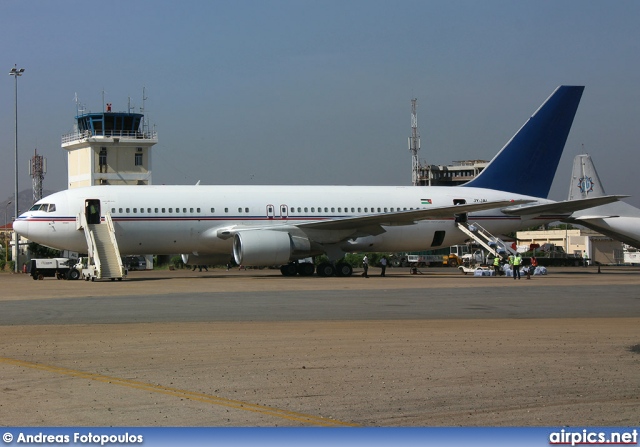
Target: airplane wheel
{"x":325,"y":269}
{"x":344,"y":270}
{"x":306,"y":269}
{"x":288,"y":270}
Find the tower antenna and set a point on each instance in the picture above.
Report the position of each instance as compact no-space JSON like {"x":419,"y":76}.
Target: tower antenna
{"x":37,"y":170}
{"x":414,"y":143}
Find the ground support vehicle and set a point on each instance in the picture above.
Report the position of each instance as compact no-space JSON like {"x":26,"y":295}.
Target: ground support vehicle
{"x":58,"y":268}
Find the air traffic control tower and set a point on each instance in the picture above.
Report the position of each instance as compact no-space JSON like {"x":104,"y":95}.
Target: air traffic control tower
{"x":109,"y":148}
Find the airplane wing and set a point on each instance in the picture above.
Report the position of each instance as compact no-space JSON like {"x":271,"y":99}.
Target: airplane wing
{"x":594,"y":216}
{"x":603,"y":227}
{"x":563,"y":207}
{"x":372,"y":225}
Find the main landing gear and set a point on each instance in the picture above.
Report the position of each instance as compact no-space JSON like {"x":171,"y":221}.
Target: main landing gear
{"x":324,"y":269}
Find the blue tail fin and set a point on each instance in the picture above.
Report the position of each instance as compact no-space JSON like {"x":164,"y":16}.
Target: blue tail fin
{"x":528,"y":162}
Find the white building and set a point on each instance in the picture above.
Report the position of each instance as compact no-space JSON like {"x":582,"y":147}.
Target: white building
{"x":599,"y":248}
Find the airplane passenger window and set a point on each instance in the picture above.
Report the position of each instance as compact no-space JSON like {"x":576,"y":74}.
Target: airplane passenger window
{"x":198,"y":210}
{"x":128,"y":210}
{"x":359,"y":209}
{"x":299,"y":209}
{"x":213,"y":210}
{"x":306,"y":209}
{"x":378,"y":209}
{"x":226,"y":210}
{"x":120,"y":210}
{"x":135,"y":210}
{"x":113,"y":210}
{"x":313,"y":210}
{"x":149,"y":210}
{"x":339,"y":209}
{"x":246,"y":210}
{"x":142,"y":210}
{"x":385,"y":209}
{"x":155,"y":210}
{"x":333,"y":210}
{"x":170,"y":210}
{"x":191,"y":210}
{"x":366,"y":210}
{"x":239,"y":209}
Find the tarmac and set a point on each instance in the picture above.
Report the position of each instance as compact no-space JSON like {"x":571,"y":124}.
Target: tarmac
{"x":252,"y":348}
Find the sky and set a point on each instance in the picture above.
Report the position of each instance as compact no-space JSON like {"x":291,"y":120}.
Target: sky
{"x":319,"y":92}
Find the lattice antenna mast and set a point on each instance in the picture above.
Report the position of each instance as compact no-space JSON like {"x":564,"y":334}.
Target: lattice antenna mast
{"x":37,"y":170}
{"x":414,"y":143}
{"x":145,"y":123}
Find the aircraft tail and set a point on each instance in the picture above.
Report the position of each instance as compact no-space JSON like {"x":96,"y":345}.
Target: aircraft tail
{"x":586,"y":184}
{"x":584,"y":179}
{"x":528,"y":162}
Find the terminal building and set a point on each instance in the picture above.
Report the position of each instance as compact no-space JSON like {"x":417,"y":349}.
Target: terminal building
{"x":451,"y":175}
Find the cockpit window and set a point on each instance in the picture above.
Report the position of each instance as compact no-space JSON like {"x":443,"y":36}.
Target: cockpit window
{"x":46,"y":207}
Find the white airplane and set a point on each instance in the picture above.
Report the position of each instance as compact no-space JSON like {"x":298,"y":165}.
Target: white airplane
{"x":279,"y":225}
{"x":619,"y":220}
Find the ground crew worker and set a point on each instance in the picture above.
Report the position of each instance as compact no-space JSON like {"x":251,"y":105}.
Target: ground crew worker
{"x":517,"y":261}
{"x":496,"y":264}
{"x":532,"y":267}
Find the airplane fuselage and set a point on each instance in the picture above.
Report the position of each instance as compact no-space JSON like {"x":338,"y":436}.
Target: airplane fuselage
{"x":193,"y":219}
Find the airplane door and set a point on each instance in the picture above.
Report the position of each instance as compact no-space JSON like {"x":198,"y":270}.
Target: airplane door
{"x":284,"y":211}
{"x":271,"y":212}
{"x":463,"y":217}
{"x":438,"y":238}
{"x":92,"y":211}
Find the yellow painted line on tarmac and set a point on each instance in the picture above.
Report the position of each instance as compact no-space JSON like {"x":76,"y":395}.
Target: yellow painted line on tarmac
{"x":199,"y":397}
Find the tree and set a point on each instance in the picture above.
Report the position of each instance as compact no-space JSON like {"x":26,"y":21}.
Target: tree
{"x":40,"y":251}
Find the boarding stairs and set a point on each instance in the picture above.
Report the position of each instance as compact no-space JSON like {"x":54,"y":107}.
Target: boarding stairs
{"x":103,"y":249}
{"x":492,"y":243}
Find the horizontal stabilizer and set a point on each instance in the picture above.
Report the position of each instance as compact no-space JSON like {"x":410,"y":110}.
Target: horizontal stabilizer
{"x":564,"y":207}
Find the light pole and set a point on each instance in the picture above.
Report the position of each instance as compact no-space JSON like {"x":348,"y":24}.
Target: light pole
{"x":6,"y":245}
{"x":16,"y":72}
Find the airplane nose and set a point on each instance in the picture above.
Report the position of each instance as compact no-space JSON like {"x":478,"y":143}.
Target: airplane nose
{"x":21,"y":227}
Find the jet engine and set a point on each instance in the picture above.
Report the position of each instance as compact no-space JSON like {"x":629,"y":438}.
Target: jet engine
{"x":267,"y":247}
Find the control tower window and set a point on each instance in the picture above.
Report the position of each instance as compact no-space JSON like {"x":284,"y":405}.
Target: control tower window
{"x":102,"y":159}
{"x":138,"y":161}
